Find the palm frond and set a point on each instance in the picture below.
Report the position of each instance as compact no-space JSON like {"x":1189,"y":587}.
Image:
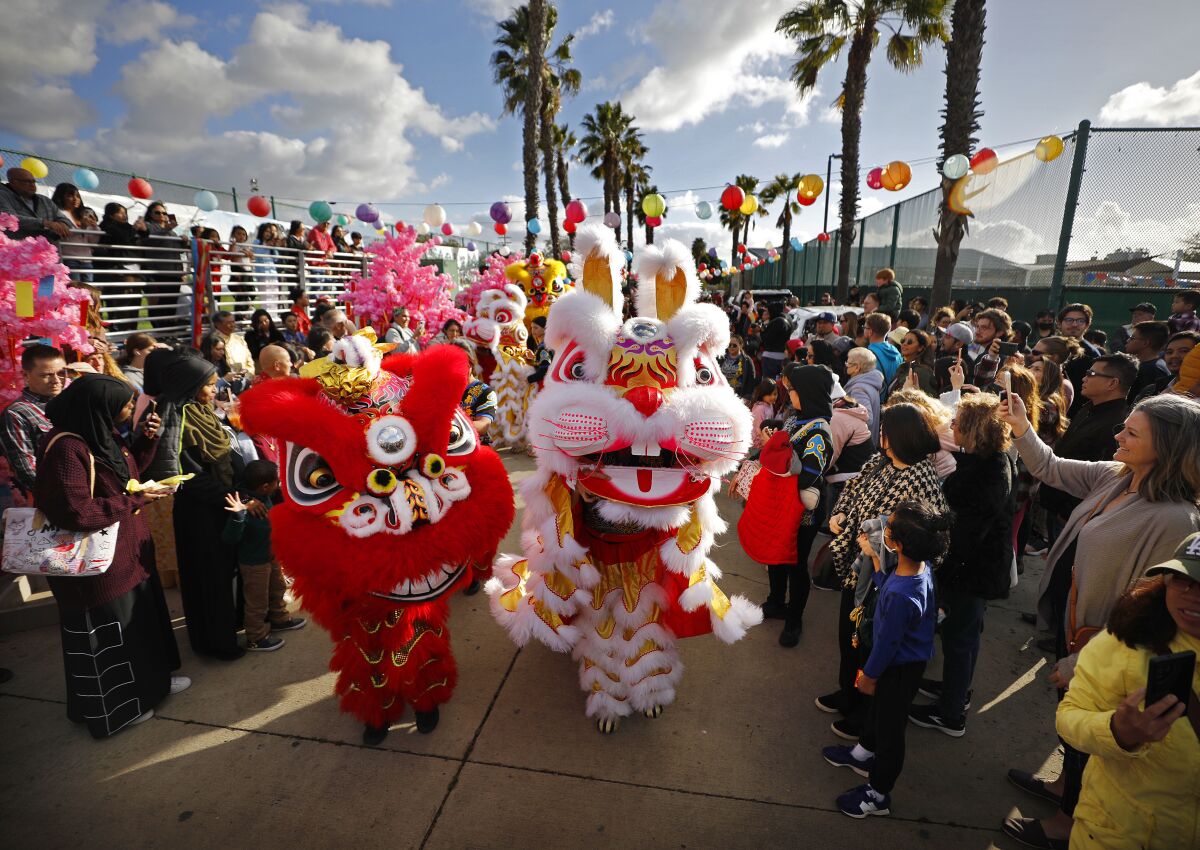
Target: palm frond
{"x":904,"y":52}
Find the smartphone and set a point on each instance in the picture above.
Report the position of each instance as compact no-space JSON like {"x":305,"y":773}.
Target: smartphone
{"x":1007,"y":350}
{"x":1171,"y":674}
{"x":172,"y":220}
{"x":1006,"y":380}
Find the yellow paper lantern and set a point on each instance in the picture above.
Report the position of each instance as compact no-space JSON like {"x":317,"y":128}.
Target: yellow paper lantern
{"x":895,"y":176}
{"x":654,"y":205}
{"x":35,"y":167}
{"x":1048,"y":149}
{"x":749,"y":206}
{"x":810,"y":187}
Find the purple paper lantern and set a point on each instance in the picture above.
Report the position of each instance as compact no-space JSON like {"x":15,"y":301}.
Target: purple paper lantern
{"x":500,"y":213}
{"x":366,"y":213}
{"x":470,"y":246}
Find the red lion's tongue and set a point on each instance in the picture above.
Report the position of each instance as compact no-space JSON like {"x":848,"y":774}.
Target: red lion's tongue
{"x":645,"y":479}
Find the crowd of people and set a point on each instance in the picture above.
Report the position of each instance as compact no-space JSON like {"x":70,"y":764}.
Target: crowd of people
{"x":935,"y":451}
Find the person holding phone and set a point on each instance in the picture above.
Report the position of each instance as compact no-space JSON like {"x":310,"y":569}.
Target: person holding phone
{"x":1142,"y":785}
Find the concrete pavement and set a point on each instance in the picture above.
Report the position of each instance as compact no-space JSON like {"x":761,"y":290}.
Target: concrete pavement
{"x":256,"y":753}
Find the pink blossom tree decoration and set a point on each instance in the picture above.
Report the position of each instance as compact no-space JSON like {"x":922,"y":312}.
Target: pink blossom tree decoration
{"x":57,"y":313}
{"x":396,"y":278}
{"x":492,"y":277}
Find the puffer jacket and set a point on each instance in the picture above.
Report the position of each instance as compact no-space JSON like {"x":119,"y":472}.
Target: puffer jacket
{"x":980,"y":493}
{"x":1148,"y":798}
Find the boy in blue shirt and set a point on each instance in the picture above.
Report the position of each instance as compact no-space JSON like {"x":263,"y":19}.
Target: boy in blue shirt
{"x":902,"y":644}
{"x":263,"y":585}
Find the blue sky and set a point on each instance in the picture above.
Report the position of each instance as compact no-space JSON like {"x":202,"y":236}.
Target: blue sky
{"x":393,"y":101}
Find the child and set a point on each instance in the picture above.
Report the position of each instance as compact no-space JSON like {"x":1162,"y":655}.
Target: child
{"x":762,"y":407}
{"x":291,"y":329}
{"x":1183,"y":316}
{"x":263,"y":585}
{"x":904,"y":620}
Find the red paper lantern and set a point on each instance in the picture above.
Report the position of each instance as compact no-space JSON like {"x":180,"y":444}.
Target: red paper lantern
{"x":733,"y":198}
{"x":985,"y":161}
{"x":566,"y":256}
{"x":805,"y":201}
{"x":823,"y":237}
{"x":500,"y":228}
{"x":447,"y":229}
{"x":259,"y":206}
{"x":875,"y":178}
{"x":576,"y":211}
{"x":741,"y":248}
{"x":569,"y":226}
{"x":399,"y":226}
{"x":702,"y":267}
{"x":141,"y":188}
{"x":653,"y":220}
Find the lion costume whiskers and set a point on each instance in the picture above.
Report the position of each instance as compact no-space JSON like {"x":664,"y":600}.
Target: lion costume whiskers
{"x":632,"y":431}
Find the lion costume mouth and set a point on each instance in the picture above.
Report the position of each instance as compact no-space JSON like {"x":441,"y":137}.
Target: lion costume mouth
{"x":433,"y":584}
{"x":653,"y":479}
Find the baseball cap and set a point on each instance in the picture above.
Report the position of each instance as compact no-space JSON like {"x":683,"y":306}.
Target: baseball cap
{"x":1144,"y":307}
{"x":897,"y":336}
{"x":826,"y":317}
{"x":82,"y":367}
{"x":962,"y":332}
{"x":1186,"y":560}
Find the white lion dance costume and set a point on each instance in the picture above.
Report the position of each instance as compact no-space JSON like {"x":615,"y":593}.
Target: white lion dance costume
{"x":633,"y":430}
{"x":499,"y":327}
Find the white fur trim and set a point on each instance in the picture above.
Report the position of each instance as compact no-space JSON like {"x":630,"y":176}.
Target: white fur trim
{"x":742,"y":614}
{"x":595,"y":238}
{"x":665,"y":260}
{"x":698,"y":594}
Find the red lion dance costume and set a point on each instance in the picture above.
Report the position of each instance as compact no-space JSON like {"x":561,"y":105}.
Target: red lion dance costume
{"x":388,"y":500}
{"x":633,"y":430}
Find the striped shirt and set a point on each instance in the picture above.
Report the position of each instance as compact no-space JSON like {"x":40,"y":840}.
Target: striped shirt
{"x":23,"y":424}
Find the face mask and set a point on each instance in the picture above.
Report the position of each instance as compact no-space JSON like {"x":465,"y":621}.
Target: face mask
{"x":1046,"y":323}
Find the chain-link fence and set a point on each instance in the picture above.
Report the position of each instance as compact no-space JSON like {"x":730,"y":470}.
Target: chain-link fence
{"x":1117,"y":210}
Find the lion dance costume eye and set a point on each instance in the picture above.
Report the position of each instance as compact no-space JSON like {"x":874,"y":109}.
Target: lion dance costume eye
{"x":635,"y":427}
{"x":380,"y":474}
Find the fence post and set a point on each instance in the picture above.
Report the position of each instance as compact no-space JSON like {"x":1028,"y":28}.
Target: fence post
{"x":233,"y":191}
{"x":862,"y":233}
{"x":895,"y":236}
{"x":273,"y":214}
{"x":300,"y":271}
{"x":1068,"y":222}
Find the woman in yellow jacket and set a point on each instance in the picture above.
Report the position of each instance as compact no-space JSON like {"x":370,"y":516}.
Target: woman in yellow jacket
{"x":1141,"y":788}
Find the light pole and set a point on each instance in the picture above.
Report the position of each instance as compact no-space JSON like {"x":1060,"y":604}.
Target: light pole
{"x":828,"y":178}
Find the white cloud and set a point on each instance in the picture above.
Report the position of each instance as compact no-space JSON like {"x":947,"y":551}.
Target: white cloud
{"x":144,"y":20}
{"x":348,"y":135}
{"x":713,"y":55}
{"x":599,"y":22}
{"x":497,"y":10}
{"x":773,"y":140}
{"x":1155,"y":104}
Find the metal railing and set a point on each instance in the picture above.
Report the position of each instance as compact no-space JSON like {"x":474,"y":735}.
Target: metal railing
{"x":151,"y":286}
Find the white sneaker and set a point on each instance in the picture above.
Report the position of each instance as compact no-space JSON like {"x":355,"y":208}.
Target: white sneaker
{"x":179,"y":684}
{"x":142,"y":718}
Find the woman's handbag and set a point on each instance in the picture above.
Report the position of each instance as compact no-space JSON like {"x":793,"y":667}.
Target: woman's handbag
{"x":739,"y":486}
{"x":32,"y":546}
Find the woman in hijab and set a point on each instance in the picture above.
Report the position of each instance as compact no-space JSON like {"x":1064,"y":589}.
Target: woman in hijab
{"x":208,"y":568}
{"x":808,"y":390}
{"x":122,"y":613}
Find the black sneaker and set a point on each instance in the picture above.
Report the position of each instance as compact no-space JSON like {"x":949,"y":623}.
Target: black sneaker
{"x":289,"y":625}
{"x":846,"y":729}
{"x":830,"y":703}
{"x":774,"y":610}
{"x":267,"y":644}
{"x":790,"y":637}
{"x":932,"y":689}
{"x":927,"y":717}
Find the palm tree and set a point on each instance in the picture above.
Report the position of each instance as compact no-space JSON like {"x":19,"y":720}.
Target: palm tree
{"x":734,"y":220}
{"x":634,"y":177}
{"x":699,"y":251}
{"x":607,"y":132}
{"x":963,"y":55}
{"x":822,"y":29}
{"x":782,"y":186}
{"x":564,"y":145}
{"x":513,"y":66}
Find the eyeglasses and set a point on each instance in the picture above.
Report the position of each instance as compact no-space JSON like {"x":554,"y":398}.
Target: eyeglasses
{"x":1081,"y":320}
{"x":1092,"y":373}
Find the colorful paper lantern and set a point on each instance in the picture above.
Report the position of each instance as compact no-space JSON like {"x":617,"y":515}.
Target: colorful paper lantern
{"x":955,"y":167}
{"x":611,"y":219}
{"x":423,"y":229}
{"x":140,"y":188}
{"x":470,"y":246}
{"x":500,"y":227}
{"x":810,"y":187}
{"x":474,"y":229}
{"x":320,"y":211}
{"x":985,"y":161}
{"x":500,"y":213}
{"x":259,"y":206}
{"x":822,"y":237}
{"x":749,"y":206}
{"x":654,"y":205}
{"x":653,"y":221}
{"x":566,"y":256}
{"x":704,"y":210}
{"x":1048,"y":149}
{"x":732,"y":198}
{"x":895,"y":176}
{"x":569,"y":226}
{"x":533,"y":226}
{"x":366,"y":213}
{"x":875,"y":178}
{"x":447,"y":229}
{"x":434,"y":215}
{"x":344,"y":221}
{"x":35,"y":167}
{"x":576,"y":211}
{"x":205,"y":200}
{"x":796,"y":244}
{"x":805,"y":202}
{"x":712,"y":252}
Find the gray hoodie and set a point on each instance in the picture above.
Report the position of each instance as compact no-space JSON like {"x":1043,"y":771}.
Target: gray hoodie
{"x":866,"y":389}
